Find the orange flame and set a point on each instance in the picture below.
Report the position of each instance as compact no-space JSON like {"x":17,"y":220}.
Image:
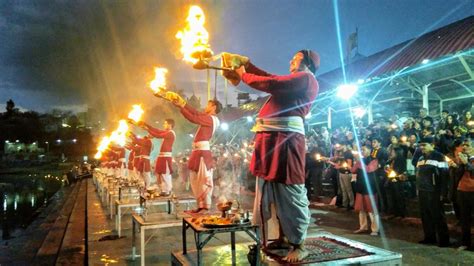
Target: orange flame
{"x":98,"y":155}
{"x":136,"y":113}
{"x":392,"y":174}
{"x":159,"y":83}
{"x":123,"y":127}
{"x":104,"y":144}
{"x":194,"y":37}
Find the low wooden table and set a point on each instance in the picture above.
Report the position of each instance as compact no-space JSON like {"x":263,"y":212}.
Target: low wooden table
{"x":202,"y":236}
{"x":153,"y":221}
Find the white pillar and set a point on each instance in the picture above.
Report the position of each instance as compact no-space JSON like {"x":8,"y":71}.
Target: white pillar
{"x":329,"y":118}
{"x":370,"y":114}
{"x":425,"y":98}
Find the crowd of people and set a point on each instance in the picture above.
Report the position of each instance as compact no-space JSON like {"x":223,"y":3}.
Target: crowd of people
{"x":374,"y":169}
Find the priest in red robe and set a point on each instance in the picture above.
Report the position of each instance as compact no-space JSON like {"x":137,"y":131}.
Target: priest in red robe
{"x":164,"y":161}
{"x":201,"y":163}
{"x":279,"y":157}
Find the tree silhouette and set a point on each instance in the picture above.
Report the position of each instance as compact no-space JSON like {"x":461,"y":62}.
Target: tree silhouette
{"x":10,"y":106}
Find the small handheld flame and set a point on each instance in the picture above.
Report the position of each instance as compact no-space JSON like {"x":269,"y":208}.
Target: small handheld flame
{"x":404,"y":139}
{"x":392,"y":174}
{"x":136,"y":113}
{"x":345,"y":165}
{"x":447,"y":159}
{"x":318,"y":157}
{"x":194,"y":37}
{"x":159,"y":83}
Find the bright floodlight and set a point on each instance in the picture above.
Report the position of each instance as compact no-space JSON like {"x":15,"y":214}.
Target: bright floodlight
{"x":346,"y":91}
{"x":425,"y":61}
{"x":359,"y":112}
{"x":225,"y":126}
{"x":249,"y":119}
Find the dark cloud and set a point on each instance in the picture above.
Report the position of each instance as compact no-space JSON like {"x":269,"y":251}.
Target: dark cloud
{"x":102,"y":53}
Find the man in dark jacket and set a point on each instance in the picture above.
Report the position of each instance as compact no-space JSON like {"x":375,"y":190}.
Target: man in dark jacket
{"x":431,"y":179}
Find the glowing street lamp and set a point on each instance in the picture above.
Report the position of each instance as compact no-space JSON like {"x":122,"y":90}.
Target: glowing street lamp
{"x":225,"y":126}
{"x":359,"y":112}
{"x":346,"y":91}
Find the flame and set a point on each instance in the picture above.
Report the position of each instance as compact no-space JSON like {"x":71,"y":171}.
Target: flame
{"x":104,"y":143}
{"x":159,"y":83}
{"x":123,"y":127}
{"x":98,"y":155}
{"x":194,"y":37}
{"x":345,"y":165}
{"x":119,"y":136}
{"x":136,"y":113}
{"x":318,"y":156}
{"x":404,"y":139}
{"x":447,"y":159}
{"x":392,"y":174}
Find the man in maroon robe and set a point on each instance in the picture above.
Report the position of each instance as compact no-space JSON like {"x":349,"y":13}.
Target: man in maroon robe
{"x":279,"y":157}
{"x":201,"y":163}
{"x":164,"y":161}
{"x":143,"y":166}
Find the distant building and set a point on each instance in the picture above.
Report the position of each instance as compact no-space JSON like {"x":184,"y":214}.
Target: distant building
{"x":195,"y":101}
{"x":19,"y":147}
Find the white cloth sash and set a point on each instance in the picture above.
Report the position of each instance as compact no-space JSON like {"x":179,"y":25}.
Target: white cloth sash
{"x":201,"y":146}
{"x":281,"y":124}
{"x":165,"y":154}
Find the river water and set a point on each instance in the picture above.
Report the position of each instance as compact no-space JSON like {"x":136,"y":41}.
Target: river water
{"x":22,"y":197}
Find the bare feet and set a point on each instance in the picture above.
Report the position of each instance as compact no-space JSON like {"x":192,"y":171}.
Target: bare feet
{"x":281,"y":243}
{"x":298,"y":253}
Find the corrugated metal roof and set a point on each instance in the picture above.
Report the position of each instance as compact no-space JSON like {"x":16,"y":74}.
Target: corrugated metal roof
{"x":449,"y":39}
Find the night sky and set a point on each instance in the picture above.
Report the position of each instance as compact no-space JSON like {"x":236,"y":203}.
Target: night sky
{"x":73,"y":54}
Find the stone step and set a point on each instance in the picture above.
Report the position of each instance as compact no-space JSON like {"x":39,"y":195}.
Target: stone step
{"x":48,"y":252}
{"x":73,"y":248}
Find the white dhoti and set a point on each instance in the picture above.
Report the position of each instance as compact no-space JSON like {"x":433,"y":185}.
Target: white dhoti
{"x":123,"y":168}
{"x":202,"y":185}
{"x":146,"y":177}
{"x":278,"y":204}
{"x":165,"y":181}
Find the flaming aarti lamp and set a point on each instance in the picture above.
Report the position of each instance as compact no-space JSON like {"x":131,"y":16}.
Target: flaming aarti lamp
{"x":204,"y":58}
